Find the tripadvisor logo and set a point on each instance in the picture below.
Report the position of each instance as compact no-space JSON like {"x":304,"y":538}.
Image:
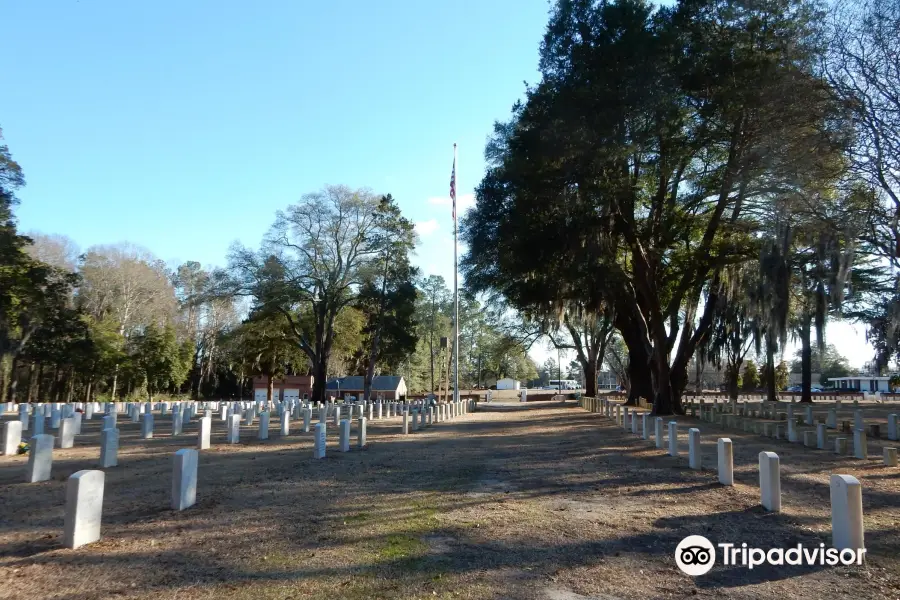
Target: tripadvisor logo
{"x":695,"y":555}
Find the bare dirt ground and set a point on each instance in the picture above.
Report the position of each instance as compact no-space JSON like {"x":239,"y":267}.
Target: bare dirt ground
{"x":540,"y":501}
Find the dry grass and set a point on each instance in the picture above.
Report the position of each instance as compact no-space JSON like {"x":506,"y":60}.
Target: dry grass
{"x":540,"y":501}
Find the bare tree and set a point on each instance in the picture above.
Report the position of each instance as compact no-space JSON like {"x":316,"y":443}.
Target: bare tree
{"x":56,"y":250}
{"x":863,"y":66}
{"x":128,"y":284}
{"x":312,"y":262}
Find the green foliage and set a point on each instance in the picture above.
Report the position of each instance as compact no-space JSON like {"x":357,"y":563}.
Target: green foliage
{"x":159,"y":358}
{"x":750,"y":379}
{"x":782,"y":376}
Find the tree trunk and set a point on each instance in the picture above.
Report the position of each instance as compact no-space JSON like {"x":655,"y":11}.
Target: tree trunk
{"x":70,"y":384}
{"x":32,"y":383}
{"x":320,"y":368}
{"x":270,"y":388}
{"x":115,"y":381}
{"x":734,"y":373}
{"x":806,"y":358}
{"x":56,"y":382}
{"x":770,"y":373}
{"x":590,"y":379}
{"x":40,"y":377}
{"x":87,"y":391}
{"x":13,"y":380}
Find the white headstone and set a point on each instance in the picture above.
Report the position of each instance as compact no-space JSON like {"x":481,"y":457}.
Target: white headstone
{"x":319,"y":444}
{"x":892,"y":427}
{"x":12,"y":437}
{"x":39,"y":421}
{"x":40,"y":458}
{"x":846,"y":513}
{"x":660,"y":440}
{"x":673,"y":438}
{"x":625,"y":419}
{"x":233,"y":424}
{"x":821,"y":436}
{"x":203,"y":432}
{"x":859,"y":423}
{"x":307,"y":415}
{"x":285,"y":422}
{"x":89,"y":411}
{"x":770,"y":481}
{"x":109,"y":447}
{"x":694,"y":455}
{"x":344,"y":435}
{"x":840,"y":445}
{"x":361,"y":434}
{"x":264,"y":425}
{"x":890,"y":457}
{"x":84,"y":508}
{"x":809,"y":414}
{"x":24,"y":417}
{"x":405,"y":422}
{"x":184,"y":479}
{"x":726,"y":461}
{"x":860,"y":444}
{"x":67,"y":432}
{"x":177,"y":422}
{"x":831,"y":420}
{"x":147,"y":426}
{"x":78,"y":419}
{"x":645,"y":426}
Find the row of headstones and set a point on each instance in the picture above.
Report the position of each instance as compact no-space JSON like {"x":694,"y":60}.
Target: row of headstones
{"x":817,"y":438}
{"x":40,"y":456}
{"x":423,"y":416}
{"x":812,"y":439}
{"x":846,"y":491}
{"x":747,"y":408}
{"x":763,"y":398}
{"x":69,"y":426}
{"x":84,"y":489}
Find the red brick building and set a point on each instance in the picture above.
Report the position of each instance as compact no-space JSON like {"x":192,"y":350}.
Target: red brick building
{"x":291,"y":386}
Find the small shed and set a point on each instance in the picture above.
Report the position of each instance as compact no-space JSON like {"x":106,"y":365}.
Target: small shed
{"x":507,"y":383}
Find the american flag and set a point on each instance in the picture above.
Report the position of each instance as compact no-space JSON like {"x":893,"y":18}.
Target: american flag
{"x":453,"y":186}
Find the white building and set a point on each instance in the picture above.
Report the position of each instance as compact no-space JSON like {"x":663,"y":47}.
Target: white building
{"x":508,"y":383}
{"x":862,"y":383}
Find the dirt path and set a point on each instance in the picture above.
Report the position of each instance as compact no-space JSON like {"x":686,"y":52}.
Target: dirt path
{"x":549,"y":502}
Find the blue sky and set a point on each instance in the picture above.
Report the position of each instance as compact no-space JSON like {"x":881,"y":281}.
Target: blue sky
{"x":184,"y":126}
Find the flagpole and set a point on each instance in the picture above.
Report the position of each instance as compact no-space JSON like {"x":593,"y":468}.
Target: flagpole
{"x":455,"y":293}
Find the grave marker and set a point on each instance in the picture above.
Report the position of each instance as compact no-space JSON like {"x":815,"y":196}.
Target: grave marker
{"x":770,"y":481}
{"x":84,"y":508}
{"x":344,"y":435}
{"x":109,"y":447}
{"x":319,"y":445}
{"x":203,"y":433}
{"x":726,"y":461}
{"x":846,"y":513}
{"x":694,"y":456}
{"x":361,"y":435}
{"x":12,"y":437}
{"x":147,"y":426}
{"x":673,"y":438}
{"x":860,"y":444}
{"x":184,"y":479}
{"x":40,"y":458}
